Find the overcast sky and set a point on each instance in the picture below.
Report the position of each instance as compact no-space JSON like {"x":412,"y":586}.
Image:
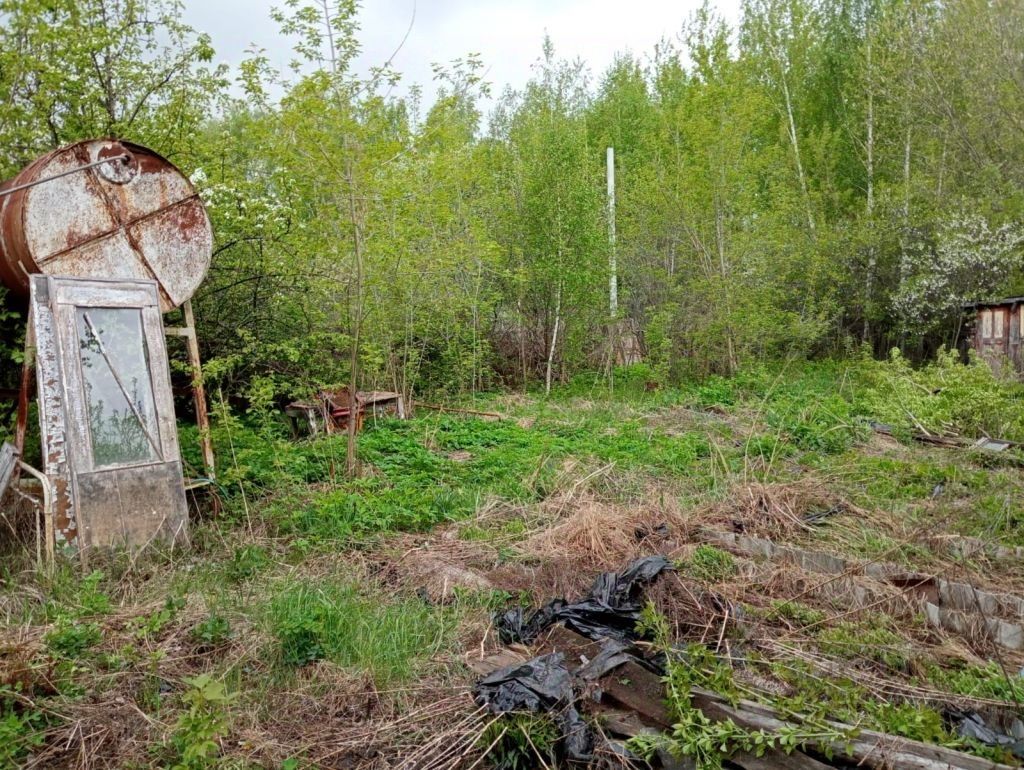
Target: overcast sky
{"x":506,"y":33}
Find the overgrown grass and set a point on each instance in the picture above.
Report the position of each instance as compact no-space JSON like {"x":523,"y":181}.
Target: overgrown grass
{"x":338,"y":622}
{"x":251,"y":595}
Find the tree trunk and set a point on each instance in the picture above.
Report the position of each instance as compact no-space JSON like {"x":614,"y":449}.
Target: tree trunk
{"x":869,"y":278}
{"x":356,"y":311}
{"x":554,"y":340}
{"x":796,"y":149}
{"x":905,"y":229}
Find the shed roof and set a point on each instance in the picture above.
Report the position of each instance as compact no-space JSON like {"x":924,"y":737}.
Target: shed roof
{"x":994,"y":303}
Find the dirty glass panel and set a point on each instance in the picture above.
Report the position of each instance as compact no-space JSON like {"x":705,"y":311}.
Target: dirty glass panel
{"x":118,"y":390}
{"x":997,"y":324}
{"x":986,"y":324}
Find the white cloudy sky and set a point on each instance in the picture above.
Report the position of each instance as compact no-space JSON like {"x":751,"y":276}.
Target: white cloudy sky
{"x":507,"y":33}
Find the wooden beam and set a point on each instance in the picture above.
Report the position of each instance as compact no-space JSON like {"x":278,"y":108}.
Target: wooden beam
{"x":199,"y":391}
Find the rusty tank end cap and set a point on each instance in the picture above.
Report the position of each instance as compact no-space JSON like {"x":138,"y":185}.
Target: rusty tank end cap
{"x":119,"y":171}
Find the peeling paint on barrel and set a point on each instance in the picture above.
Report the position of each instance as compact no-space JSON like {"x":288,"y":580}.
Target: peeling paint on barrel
{"x":136,"y":217}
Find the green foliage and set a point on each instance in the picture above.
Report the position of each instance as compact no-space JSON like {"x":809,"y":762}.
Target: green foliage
{"x":841,"y":699}
{"x":70,"y":639}
{"x":942,"y":397}
{"x":246,"y":561}
{"x":767,"y":206}
{"x":867,"y":641}
{"x":148,"y":626}
{"x":813,"y":700}
{"x":985,"y":681}
{"x":20,"y":730}
{"x":520,"y":741}
{"x":796,"y":612}
{"x":707,"y":742}
{"x":337,"y":622}
{"x":91,"y":600}
{"x":710,"y":564}
{"x":213,"y":631}
{"x":203,"y":723}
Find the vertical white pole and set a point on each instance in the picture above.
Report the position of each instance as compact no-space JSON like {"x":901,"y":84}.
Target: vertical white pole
{"x":613,"y":273}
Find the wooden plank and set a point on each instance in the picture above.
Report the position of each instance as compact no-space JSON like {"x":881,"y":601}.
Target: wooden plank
{"x":482,"y":666}
{"x":126,"y":294}
{"x":633,"y":687}
{"x":868,"y":748}
{"x":453,"y":410}
{"x":8,"y":462}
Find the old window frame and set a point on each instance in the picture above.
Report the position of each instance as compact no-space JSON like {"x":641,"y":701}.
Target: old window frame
{"x":986,"y":324}
{"x":65,"y":427}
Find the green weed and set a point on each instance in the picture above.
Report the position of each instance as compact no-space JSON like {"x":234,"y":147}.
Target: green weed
{"x":848,"y":640}
{"x":70,"y":639}
{"x":710,"y":564}
{"x":522,"y":742}
{"x":246,"y":561}
{"x":21,"y":730}
{"x":337,"y":622}
{"x":203,"y":723}
{"x":798,"y":613}
{"x":212,"y":631}
{"x":945,"y":396}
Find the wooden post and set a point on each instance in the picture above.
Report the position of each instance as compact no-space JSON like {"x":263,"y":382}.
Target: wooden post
{"x":198,"y":390}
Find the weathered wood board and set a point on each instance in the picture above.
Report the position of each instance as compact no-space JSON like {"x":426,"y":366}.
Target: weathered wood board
{"x":8,"y":461}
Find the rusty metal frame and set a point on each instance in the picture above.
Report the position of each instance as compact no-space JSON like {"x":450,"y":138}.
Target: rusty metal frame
{"x":10,"y":465}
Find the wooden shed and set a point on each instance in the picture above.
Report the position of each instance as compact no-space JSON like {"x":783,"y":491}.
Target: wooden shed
{"x":998,"y":331}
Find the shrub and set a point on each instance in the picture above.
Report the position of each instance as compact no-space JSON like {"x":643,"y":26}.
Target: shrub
{"x":943,"y":397}
{"x":204,"y":721}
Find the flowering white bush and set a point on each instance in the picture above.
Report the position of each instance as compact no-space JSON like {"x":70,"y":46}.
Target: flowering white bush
{"x":967,"y":262}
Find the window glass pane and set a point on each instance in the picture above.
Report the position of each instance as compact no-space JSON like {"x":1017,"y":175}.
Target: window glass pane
{"x":986,"y":324}
{"x":997,"y":323}
{"x":118,"y":389}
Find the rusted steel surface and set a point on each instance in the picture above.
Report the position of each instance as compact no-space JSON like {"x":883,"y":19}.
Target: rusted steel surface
{"x":28,"y":367}
{"x":136,"y":217}
{"x":333,"y":407}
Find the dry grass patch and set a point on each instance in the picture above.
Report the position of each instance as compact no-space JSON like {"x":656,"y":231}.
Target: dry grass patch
{"x":778,"y":510}
{"x":599,"y":535}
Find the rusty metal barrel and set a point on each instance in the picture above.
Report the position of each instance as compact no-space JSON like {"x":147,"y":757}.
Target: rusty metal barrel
{"x":105,"y":209}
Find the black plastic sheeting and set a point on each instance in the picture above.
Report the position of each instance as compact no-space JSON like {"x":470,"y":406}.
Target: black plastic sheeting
{"x":610,"y":610}
{"x":542,"y":685}
{"x":608,"y":614}
{"x":970,"y":724}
